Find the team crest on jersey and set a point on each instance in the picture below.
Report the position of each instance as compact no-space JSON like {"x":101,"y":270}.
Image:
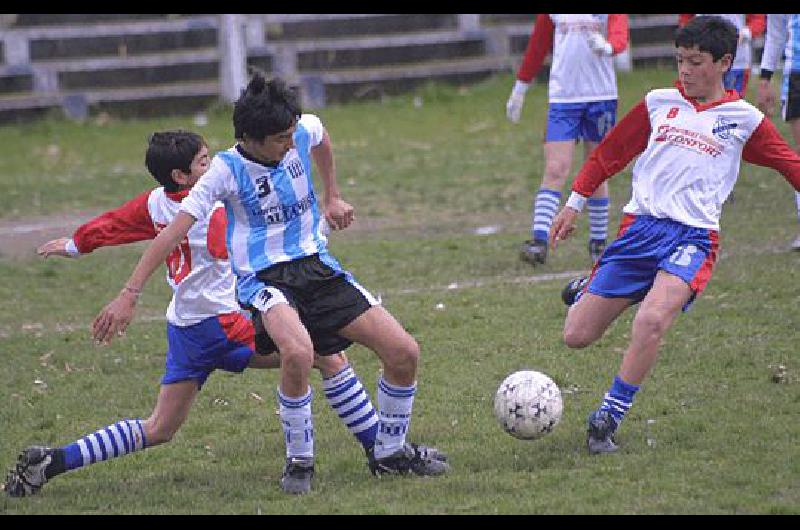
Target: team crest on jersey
{"x":722,"y":128}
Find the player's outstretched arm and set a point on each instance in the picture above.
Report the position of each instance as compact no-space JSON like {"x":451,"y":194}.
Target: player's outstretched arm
{"x":117,"y":315}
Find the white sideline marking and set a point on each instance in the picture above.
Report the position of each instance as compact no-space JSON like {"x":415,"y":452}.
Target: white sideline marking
{"x":454,"y":286}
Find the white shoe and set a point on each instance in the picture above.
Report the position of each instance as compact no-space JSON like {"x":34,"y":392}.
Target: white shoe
{"x":796,"y":244}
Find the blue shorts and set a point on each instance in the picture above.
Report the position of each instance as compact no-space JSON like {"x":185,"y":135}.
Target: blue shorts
{"x":226,"y":342}
{"x":573,"y":121}
{"x":645,"y":245}
{"x":736,"y":80}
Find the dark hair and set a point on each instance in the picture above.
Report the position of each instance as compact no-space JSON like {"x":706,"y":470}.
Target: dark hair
{"x":711,"y":34}
{"x":264,"y":108}
{"x":170,"y":150}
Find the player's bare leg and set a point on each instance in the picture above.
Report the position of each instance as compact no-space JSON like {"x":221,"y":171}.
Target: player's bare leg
{"x":399,"y":353}
{"x":589,"y":317}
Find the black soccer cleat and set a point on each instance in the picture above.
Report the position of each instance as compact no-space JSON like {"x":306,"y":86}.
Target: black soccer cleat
{"x":600,"y":433}
{"x":570,"y":292}
{"x":31,"y":471}
{"x":411,"y":458}
{"x":534,"y":251}
{"x":297,"y":474}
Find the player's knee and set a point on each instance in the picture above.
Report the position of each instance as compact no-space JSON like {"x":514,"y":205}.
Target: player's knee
{"x":649,"y":323}
{"x":556,"y":171}
{"x":329,"y":365}
{"x":578,"y":337}
{"x":297,"y":352}
{"x":159,"y":432}
{"x":404,"y":356}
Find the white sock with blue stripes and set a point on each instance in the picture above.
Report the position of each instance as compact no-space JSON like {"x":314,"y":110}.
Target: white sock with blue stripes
{"x":545,"y":207}
{"x":346,"y":396}
{"x":394,"y":412}
{"x":298,"y":425}
{"x":598,"y":218}
{"x":121,"y":438}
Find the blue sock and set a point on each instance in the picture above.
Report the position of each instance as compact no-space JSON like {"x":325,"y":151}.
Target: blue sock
{"x":545,"y":207}
{"x":598,"y":218}
{"x":121,"y":438}
{"x":346,"y":396}
{"x":619,"y":398}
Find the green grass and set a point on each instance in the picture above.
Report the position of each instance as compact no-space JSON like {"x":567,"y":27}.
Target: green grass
{"x":709,"y":432}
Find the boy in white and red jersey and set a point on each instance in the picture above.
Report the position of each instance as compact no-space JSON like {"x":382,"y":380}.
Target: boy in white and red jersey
{"x":205,"y":328}
{"x":583,"y":105}
{"x":690,"y":141}
{"x":749,"y":27}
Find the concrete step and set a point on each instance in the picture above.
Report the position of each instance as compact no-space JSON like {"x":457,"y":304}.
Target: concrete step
{"x":298,"y":27}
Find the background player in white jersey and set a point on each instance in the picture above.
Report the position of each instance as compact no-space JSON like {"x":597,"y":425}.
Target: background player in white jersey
{"x":284,"y":272}
{"x":749,"y":26}
{"x":205,"y":329}
{"x":783,"y":36}
{"x":583,"y":105}
{"x":690,"y":141}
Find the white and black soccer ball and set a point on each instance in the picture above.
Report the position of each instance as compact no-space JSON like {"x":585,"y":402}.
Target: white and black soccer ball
{"x":528,"y":404}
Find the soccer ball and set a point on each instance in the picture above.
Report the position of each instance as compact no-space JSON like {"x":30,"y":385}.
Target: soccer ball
{"x":528,"y":404}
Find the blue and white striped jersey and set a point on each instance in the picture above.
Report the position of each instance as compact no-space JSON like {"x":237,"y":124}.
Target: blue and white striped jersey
{"x":273,"y":212}
{"x":783,"y":36}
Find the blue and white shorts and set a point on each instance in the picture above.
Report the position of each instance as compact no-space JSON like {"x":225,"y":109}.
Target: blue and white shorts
{"x":573,"y":121}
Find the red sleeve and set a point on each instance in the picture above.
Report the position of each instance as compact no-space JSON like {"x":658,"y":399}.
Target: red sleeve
{"x":766,"y":147}
{"x":624,"y":142}
{"x":539,"y":45}
{"x":618,"y":32}
{"x":684,"y":19}
{"x":757,"y":24}
{"x":129,"y":223}
{"x":215,"y":238}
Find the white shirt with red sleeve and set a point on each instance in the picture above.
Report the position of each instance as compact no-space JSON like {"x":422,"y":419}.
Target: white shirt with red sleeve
{"x":577,"y":73}
{"x":198,"y":269}
{"x":689,"y":155}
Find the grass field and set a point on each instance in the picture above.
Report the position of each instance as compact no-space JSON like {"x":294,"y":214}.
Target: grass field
{"x":709,"y":433}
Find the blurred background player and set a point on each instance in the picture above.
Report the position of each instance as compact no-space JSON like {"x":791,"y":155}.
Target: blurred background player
{"x":749,"y":28}
{"x":783,"y":37}
{"x":582,"y":94}
{"x":690,"y":141}
{"x":205,"y":328}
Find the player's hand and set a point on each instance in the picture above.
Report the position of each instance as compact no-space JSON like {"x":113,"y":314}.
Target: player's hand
{"x":55,"y":247}
{"x":766,"y":97}
{"x":563,"y":225}
{"x":599,"y":44}
{"x":339,"y":214}
{"x":514,"y":107}
{"x":113,"y":320}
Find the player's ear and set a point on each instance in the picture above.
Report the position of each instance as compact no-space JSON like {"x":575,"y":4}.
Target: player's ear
{"x":726,"y":61}
{"x":179,"y":177}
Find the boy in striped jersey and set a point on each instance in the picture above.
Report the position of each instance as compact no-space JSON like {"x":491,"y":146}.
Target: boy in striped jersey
{"x":690,"y":141}
{"x":307,"y":302}
{"x":205,"y":329}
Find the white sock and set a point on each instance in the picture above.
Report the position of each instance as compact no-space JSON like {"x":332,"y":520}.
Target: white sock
{"x":394,"y":412}
{"x":298,"y":425}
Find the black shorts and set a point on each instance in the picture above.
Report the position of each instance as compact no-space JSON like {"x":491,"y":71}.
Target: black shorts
{"x":326,"y":300}
{"x":791,"y":107}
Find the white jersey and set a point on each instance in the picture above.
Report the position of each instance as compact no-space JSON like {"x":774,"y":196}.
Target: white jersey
{"x":577,"y":73}
{"x":198,"y":269}
{"x":708,"y":145}
{"x":273,"y":215}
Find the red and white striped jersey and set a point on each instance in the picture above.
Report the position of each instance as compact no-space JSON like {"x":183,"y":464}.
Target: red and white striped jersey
{"x":690,"y":155}
{"x":198,"y":269}
{"x":577,"y":74}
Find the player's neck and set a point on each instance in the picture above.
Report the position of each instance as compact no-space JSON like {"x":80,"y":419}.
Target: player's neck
{"x":716,"y":94}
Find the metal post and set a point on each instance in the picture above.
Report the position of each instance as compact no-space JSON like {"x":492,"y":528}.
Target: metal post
{"x":232,"y":57}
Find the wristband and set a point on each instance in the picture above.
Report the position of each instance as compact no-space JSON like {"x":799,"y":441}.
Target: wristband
{"x":576,"y":201}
